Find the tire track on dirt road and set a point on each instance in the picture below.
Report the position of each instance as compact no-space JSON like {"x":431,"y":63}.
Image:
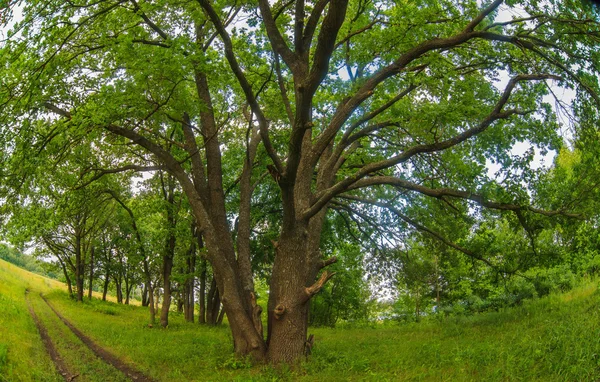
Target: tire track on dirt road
{"x":102,"y":353}
{"x":48,"y":344}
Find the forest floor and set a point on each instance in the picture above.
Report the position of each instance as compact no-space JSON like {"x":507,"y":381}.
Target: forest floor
{"x":555,"y":338}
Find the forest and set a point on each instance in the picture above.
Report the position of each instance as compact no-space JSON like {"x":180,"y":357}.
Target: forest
{"x":280,"y":167}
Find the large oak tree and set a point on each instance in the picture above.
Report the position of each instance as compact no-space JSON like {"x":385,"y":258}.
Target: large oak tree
{"x":345,"y":103}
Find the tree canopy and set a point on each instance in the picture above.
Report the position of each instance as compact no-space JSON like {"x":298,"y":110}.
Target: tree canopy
{"x":290,"y":126}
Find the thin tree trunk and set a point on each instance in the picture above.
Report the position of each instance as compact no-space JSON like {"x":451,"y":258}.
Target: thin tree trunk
{"x":67,"y":278}
{"x":167,"y":267}
{"x":119,"y":289}
{"x":169,"y":254}
{"x":145,"y":295}
{"x":91,"y":285}
{"x":220,"y":318}
{"x":180,"y":304}
{"x":202,"y":295}
{"x":212,"y":303}
{"x":79,"y":266}
{"x":151,"y":307}
{"x":128,"y":287}
{"x":105,"y":288}
{"x":156,"y":298}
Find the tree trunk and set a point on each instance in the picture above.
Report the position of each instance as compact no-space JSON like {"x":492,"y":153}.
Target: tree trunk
{"x":128,"y":287}
{"x":151,"y":307}
{"x":202,"y":295}
{"x":221,"y":316}
{"x":91,"y":285}
{"x":156,"y":298}
{"x":119,"y":288}
{"x":145,"y":295}
{"x":67,"y":278}
{"x":188,"y":290}
{"x":211,"y":315}
{"x":169,"y":254}
{"x":105,"y":288}
{"x":288,"y":301}
{"x":167,"y":267}
{"x":180,"y":304}
{"x":79,"y":266}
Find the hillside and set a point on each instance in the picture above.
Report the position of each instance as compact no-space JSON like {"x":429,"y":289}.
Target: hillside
{"x":550,"y":339}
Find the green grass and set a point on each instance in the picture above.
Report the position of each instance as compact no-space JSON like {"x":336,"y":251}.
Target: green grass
{"x":556,"y":338}
{"x":22,"y":354}
{"x":78,"y":358}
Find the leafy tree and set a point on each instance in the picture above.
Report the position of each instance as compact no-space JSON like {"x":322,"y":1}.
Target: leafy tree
{"x":363,"y":103}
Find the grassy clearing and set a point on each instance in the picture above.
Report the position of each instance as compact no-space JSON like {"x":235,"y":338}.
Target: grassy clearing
{"x":556,"y":338}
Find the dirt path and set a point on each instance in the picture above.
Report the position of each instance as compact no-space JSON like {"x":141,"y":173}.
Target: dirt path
{"x":101,"y":352}
{"x":48,"y":344}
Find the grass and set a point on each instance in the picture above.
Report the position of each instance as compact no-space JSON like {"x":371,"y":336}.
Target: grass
{"x":78,"y":358}
{"x":22,"y":354}
{"x":556,"y":338}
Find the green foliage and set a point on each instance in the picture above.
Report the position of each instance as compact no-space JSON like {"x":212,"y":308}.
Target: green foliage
{"x":345,"y":297}
{"x":27,"y":262}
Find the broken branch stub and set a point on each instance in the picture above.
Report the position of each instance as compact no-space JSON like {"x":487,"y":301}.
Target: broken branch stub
{"x":318,"y":285}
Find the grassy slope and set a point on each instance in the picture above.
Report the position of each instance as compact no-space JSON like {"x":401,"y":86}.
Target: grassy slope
{"x":22,"y":354}
{"x":556,"y":338}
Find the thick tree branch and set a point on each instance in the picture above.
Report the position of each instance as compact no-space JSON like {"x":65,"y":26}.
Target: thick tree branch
{"x":325,"y":45}
{"x":425,"y":229}
{"x":323,"y":197}
{"x":486,"y":11}
{"x":191,"y":146}
{"x":312,"y":23}
{"x":277,"y":41}
{"x":460,"y":194}
{"x":242,"y":80}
